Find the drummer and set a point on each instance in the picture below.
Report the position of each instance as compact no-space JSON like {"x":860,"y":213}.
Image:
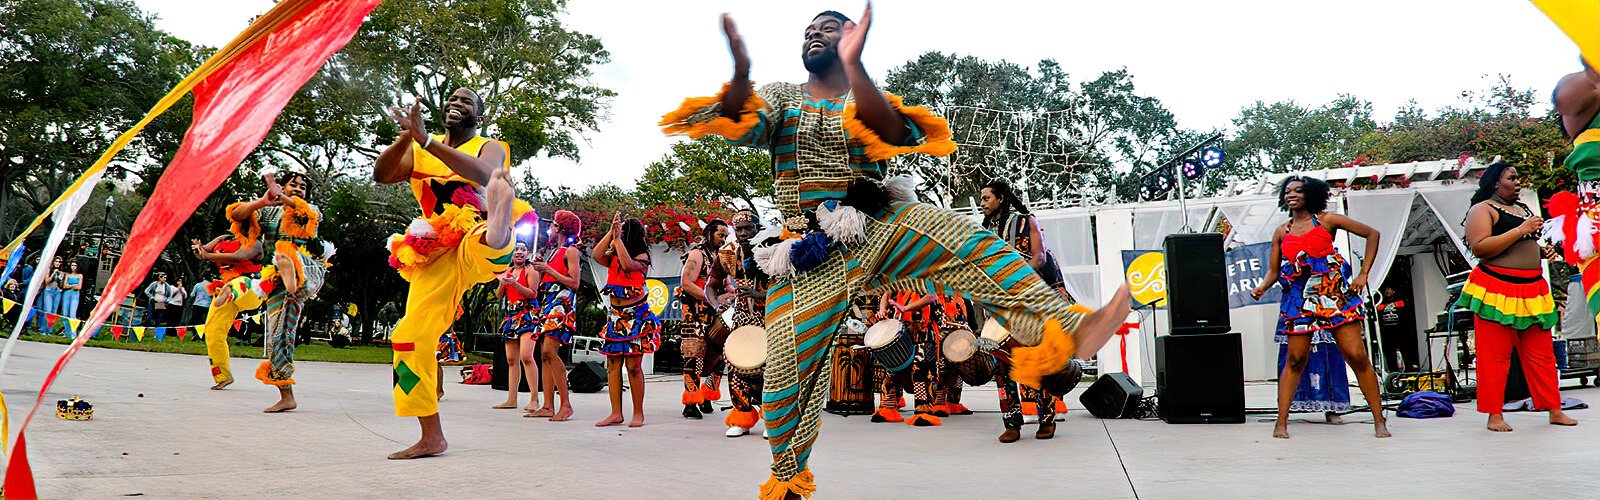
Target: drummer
{"x":736,"y":270}
{"x":699,"y":315}
{"x":871,"y":309}
{"x":916,"y":312}
{"x":950,"y":315}
{"x":1006,"y":215}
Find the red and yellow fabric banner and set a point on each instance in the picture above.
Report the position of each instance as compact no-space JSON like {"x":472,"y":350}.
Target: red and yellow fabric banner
{"x":1580,"y":20}
{"x":238,"y":93}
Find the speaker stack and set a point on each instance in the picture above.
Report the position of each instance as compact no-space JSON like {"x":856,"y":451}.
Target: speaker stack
{"x":1200,"y":365}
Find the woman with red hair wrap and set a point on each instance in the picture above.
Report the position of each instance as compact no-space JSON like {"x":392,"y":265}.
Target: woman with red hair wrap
{"x":557,"y":310}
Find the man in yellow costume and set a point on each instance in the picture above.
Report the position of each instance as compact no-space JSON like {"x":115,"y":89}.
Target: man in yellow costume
{"x":464,"y":237}
{"x":233,"y":292}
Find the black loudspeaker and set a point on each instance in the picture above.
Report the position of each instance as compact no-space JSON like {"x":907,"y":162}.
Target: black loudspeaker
{"x":1200,"y":378}
{"x":1516,"y":382}
{"x":499,"y":369}
{"x":1197,"y":284}
{"x":586,"y":377}
{"x":1113,"y":395}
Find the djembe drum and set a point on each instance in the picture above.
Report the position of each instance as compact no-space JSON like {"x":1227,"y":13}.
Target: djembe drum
{"x":850,"y":393}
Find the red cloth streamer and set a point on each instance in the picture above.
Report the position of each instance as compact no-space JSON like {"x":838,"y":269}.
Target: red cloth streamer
{"x":1122,"y":334}
{"x":182,"y":331}
{"x":21,"y":490}
{"x":234,"y":107}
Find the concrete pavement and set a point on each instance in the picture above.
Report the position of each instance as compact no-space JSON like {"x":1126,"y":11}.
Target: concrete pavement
{"x":180,"y":440}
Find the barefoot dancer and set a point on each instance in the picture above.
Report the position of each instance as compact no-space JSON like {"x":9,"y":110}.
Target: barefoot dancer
{"x":558,"y":311}
{"x":460,"y":180}
{"x":633,"y":330}
{"x":1510,"y":298}
{"x":522,"y":319}
{"x":829,"y":139}
{"x":233,"y":292}
{"x":1316,"y":294}
{"x":284,"y":218}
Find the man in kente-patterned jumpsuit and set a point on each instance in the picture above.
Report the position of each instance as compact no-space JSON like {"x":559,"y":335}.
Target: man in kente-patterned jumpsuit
{"x":829,"y":140}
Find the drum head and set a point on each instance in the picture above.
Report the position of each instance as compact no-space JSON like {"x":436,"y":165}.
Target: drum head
{"x":747,"y":347}
{"x":882,"y":333}
{"x":959,"y":345}
{"x":993,"y":331}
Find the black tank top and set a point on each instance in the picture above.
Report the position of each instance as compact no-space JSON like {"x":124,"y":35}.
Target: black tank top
{"x":1509,"y":221}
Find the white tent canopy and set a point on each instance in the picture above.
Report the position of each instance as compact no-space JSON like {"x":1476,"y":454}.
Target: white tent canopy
{"x":1416,"y":219}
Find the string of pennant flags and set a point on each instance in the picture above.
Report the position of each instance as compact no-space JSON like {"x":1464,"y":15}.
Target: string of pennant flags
{"x":119,"y":332}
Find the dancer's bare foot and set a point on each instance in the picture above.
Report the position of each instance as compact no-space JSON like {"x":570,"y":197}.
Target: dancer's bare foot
{"x":283,"y":405}
{"x":1557,"y":417}
{"x":1334,"y":418}
{"x":1281,"y":430}
{"x":509,"y":404}
{"x":223,"y":384}
{"x":609,"y":421}
{"x":563,"y":415}
{"x":638,"y":421}
{"x":540,"y":413}
{"x":423,"y":448}
{"x":1497,"y":423}
{"x":1380,"y":428}
{"x":285,"y":401}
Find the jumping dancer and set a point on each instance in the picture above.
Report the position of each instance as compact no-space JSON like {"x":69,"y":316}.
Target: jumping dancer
{"x":297,"y":265}
{"x":234,"y":291}
{"x":829,"y":139}
{"x":464,"y":237}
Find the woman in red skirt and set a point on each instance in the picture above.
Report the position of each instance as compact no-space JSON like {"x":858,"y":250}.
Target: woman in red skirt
{"x":1510,"y":297}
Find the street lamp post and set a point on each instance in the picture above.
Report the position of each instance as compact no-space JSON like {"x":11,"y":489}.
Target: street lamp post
{"x":99,"y":259}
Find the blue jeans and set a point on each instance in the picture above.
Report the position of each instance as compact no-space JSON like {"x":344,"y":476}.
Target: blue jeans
{"x":49,"y":302}
{"x":69,"y":303}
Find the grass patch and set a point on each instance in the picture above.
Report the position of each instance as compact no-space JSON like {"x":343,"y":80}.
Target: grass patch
{"x":303,"y":352}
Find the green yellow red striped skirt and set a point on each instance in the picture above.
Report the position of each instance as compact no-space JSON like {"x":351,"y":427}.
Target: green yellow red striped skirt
{"x":1518,"y":298}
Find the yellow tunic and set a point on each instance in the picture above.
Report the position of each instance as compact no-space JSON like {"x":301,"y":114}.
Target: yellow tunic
{"x":441,"y":277}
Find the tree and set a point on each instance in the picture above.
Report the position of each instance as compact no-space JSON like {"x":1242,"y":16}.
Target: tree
{"x":707,"y":169}
{"x":1498,"y":121}
{"x":1285,"y":136}
{"x":532,"y":72}
{"x":73,"y":75}
{"x":1051,"y":137}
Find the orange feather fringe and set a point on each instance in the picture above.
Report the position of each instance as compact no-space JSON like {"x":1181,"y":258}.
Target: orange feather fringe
{"x":692,"y":398}
{"x":745,"y":419}
{"x":931,"y":421}
{"x":890,"y":415}
{"x":710,"y":393}
{"x":246,"y":232}
{"x":803,"y":484}
{"x":261,"y":374}
{"x":1030,"y":364}
{"x":677,"y":122}
{"x":938,"y":135}
{"x":299,"y":219}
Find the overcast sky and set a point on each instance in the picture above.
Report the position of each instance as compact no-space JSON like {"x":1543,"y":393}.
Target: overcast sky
{"x":1203,"y":60}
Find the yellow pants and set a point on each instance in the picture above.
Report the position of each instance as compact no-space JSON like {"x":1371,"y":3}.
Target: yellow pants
{"x":234,"y":298}
{"x":431,"y":303}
